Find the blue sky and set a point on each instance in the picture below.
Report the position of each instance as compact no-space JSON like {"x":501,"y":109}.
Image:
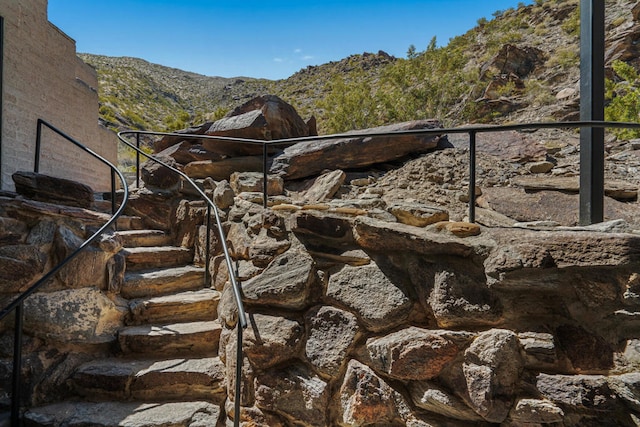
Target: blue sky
{"x":268,"y":39}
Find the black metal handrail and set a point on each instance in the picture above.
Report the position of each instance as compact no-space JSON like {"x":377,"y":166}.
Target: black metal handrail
{"x":472,"y":131}
{"x":242,"y":319}
{"x":17,"y":304}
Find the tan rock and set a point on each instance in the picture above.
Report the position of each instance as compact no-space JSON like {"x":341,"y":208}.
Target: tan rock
{"x":402,"y":354}
{"x":459,"y":229}
{"x":331,"y":334}
{"x":417,"y":214}
{"x":536,"y":411}
{"x":295,"y":392}
{"x":271,"y":340}
{"x":254,"y":182}
{"x":435,"y":399}
{"x":372,"y":294}
{"x":324,"y":187}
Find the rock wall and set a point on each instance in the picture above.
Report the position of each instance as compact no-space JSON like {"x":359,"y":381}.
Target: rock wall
{"x":360,"y":317}
{"x":73,"y":317}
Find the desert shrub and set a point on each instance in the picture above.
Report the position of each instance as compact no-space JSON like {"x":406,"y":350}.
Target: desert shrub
{"x":623,"y":98}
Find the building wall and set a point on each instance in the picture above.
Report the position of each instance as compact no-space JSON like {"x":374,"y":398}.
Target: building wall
{"x":44,"y":78}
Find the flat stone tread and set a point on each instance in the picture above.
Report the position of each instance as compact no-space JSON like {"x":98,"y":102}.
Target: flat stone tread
{"x":130,"y":414}
{"x":177,"y":338}
{"x":170,"y":329}
{"x":147,"y":257}
{"x":184,"y":306}
{"x":139,"y":367}
{"x":136,"y":238}
{"x":160,"y":281}
{"x":158,"y":380}
{"x":188,"y":297}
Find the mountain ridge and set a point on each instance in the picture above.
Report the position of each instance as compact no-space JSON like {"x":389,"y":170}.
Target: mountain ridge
{"x":463,"y":82}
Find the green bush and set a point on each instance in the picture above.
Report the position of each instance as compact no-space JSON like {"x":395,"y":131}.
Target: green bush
{"x":623,"y":99}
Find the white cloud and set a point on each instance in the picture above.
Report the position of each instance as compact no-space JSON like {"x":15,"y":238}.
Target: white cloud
{"x":297,"y":51}
{"x":278,"y":60}
{"x":307,"y":57}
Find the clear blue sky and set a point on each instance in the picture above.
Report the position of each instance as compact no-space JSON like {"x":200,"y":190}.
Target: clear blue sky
{"x":269,"y":39}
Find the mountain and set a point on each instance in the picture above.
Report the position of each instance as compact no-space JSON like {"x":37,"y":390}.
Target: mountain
{"x":522,"y":65}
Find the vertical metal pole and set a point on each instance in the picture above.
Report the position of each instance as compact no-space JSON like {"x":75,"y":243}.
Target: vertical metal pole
{"x":472,"y":176}
{"x":36,"y":161}
{"x":591,"y":108}
{"x":1,"y":90}
{"x":113,"y":192}
{"x":239,"y":362}
{"x":138,"y":161}
{"x":207,"y":260}
{"x":264,"y":175}
{"x":17,"y":368}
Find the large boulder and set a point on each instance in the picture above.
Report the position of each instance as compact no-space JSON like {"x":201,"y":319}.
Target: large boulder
{"x":310,"y":158}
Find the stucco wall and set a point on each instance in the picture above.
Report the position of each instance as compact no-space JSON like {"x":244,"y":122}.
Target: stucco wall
{"x":43,"y":78}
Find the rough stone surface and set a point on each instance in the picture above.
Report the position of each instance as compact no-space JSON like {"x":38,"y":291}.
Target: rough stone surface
{"x":286,"y":283}
{"x":417,"y":214}
{"x":271,"y":340}
{"x":435,"y":399}
{"x":52,"y":189}
{"x":371,"y":294}
{"x":325,"y":186}
{"x":331,"y":335}
{"x":367,"y":399}
{"x":74,"y":315}
{"x":404,"y":354}
{"x":311,"y":158}
{"x":296,"y":393}
{"x":491,"y":369}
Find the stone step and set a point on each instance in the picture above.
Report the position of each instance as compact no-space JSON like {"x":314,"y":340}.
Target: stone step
{"x":181,"y":307}
{"x":143,"y":258}
{"x":141,"y":284}
{"x":151,"y":380}
{"x":126,"y":222}
{"x":135,"y":238}
{"x":130,"y":414}
{"x":176,"y":338}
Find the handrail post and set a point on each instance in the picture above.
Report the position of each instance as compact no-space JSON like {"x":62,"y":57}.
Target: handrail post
{"x":239,"y":362}
{"x":472,"y":176}
{"x":17,"y":367}
{"x":264,"y":175}
{"x":207,"y":261}
{"x":113,"y":191}
{"x":36,"y":161}
{"x":138,"y":160}
{"x":592,"y":88}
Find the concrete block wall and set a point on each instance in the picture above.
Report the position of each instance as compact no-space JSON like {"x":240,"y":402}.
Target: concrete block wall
{"x":44,"y":78}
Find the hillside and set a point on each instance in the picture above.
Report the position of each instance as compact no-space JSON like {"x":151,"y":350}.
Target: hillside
{"x":522,"y":65}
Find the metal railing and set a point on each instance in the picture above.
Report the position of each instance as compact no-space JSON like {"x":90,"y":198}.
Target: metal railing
{"x":471,"y":131}
{"x":17,"y":305}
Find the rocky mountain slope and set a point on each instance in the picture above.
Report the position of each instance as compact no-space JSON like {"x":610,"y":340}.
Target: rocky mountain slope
{"x":477,"y":77}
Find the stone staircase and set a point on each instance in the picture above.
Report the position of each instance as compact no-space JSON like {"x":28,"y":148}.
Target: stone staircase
{"x":166,"y":371}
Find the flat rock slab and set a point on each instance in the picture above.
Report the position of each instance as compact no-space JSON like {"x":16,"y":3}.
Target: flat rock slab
{"x":618,"y":190}
{"x":188,"y":338}
{"x":181,"y":307}
{"x":51,"y":189}
{"x":136,"y":238}
{"x":141,"y":258}
{"x":113,"y":414}
{"x":310,"y":158}
{"x":151,"y":379}
{"x":149,"y":283}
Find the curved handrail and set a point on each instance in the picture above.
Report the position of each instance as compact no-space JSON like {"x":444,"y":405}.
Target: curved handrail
{"x":225,"y":248}
{"x":17,"y":304}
